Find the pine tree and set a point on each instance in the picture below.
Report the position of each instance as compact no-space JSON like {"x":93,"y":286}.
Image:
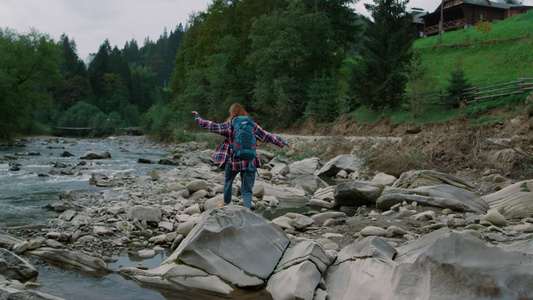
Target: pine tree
{"x":385,"y":55}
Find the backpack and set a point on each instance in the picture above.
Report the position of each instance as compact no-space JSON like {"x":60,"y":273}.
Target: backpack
{"x":243,"y":141}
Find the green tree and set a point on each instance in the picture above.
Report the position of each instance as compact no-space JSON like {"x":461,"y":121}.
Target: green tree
{"x":75,"y":84}
{"x":380,"y":79}
{"x":456,"y":86}
{"x":79,"y":115}
{"x":419,"y":84}
{"x":29,"y":67}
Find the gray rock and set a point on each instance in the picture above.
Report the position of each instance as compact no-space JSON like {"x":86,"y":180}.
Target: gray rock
{"x":14,"y":267}
{"x":96,"y":155}
{"x":145,"y":213}
{"x":306,"y":250}
{"x":306,"y":166}
{"x":11,"y":293}
{"x":444,"y":196}
{"x":513,"y":201}
{"x":185,"y":228}
{"x":284,"y":192}
{"x":196,"y":185}
{"x":221,"y":253}
{"x":373,"y":231}
{"x":357,"y":193}
{"x":209,"y":246}
{"x":495,"y":218}
{"x":414,"y":179}
{"x":300,"y":222}
{"x":384,"y":179}
{"x":349,"y":163}
{"x":280,"y":169}
{"x":74,"y":259}
{"x":8,"y":241}
{"x":322,"y":217}
{"x":309,"y":183}
{"x":290,"y":284}
{"x":67,"y":215}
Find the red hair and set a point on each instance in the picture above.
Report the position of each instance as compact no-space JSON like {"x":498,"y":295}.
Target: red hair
{"x":236,"y":110}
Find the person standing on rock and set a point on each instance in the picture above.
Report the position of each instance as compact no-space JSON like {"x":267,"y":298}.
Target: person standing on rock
{"x":234,"y":165}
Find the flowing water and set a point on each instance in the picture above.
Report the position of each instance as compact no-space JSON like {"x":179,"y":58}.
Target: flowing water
{"x":25,"y":193}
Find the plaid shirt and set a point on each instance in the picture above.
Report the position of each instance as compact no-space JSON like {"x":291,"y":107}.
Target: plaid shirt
{"x":224,"y":153}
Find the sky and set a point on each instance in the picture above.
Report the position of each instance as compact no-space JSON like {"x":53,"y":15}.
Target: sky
{"x":90,"y":22}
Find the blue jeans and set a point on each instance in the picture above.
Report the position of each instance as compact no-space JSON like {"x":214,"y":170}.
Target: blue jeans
{"x":248,"y":180}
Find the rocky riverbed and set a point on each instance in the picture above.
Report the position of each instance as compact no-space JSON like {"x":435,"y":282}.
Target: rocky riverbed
{"x":423,"y":234}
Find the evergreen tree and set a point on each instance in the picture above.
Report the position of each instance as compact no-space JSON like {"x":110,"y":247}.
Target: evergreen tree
{"x":385,"y":55}
{"x":456,"y":86}
{"x":75,"y":85}
{"x":130,"y":53}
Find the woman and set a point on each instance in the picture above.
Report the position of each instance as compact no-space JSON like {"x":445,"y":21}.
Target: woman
{"x":234,"y":165}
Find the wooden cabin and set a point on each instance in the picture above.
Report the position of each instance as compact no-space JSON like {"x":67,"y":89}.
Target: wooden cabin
{"x":459,"y":14}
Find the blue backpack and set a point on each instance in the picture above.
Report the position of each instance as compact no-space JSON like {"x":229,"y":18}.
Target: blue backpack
{"x":243,"y":141}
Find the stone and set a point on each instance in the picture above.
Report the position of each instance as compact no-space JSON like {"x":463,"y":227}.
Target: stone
{"x":306,"y":166}
{"x":373,"y":231}
{"x":14,"y":267}
{"x":67,"y":215}
{"x":527,"y":227}
{"x":8,"y":241}
{"x":96,"y":155}
{"x":385,"y":179}
{"x":74,"y":259}
{"x":495,"y":218}
{"x":322,"y":217}
{"x":222,"y":250}
{"x":102,"y":230}
{"x":321,"y":203}
{"x":357,"y":193}
{"x":443,"y":196}
{"x":258,"y":191}
{"x":415,"y":179}
{"x":289,"y":284}
{"x":280,"y":169}
{"x":300,"y":222}
{"x":193,"y":209}
{"x":196,"y":185}
{"x":144,"y":213}
{"x":349,"y":163}
{"x":513,"y":201}
{"x":185,"y":228}
{"x":168,"y":226}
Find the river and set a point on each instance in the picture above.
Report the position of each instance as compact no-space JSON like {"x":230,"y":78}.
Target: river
{"x":25,"y":193}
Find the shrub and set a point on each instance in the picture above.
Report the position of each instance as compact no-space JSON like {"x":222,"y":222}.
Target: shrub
{"x":457,"y":84}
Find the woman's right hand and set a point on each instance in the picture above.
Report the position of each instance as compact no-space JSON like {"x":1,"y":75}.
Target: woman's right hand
{"x":194,"y":112}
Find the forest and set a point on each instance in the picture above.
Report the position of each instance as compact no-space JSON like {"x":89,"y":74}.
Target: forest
{"x":286,"y":61}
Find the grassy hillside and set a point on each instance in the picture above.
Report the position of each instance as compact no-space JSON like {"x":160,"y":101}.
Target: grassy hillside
{"x":483,"y":64}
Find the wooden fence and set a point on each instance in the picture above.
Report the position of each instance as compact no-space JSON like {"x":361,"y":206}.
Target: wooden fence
{"x":475,"y":94}
{"x":468,"y":44}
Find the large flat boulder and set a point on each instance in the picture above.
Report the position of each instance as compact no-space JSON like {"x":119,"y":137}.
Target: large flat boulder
{"x":414,"y":179}
{"x":229,"y":248}
{"x":440,"y":265}
{"x":513,"y":201}
{"x":73,"y":259}
{"x":443,"y":196}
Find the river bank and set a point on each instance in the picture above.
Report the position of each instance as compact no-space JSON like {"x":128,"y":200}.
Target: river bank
{"x":146,"y":215}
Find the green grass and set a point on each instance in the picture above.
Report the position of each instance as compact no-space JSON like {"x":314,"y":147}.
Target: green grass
{"x":484,"y":65}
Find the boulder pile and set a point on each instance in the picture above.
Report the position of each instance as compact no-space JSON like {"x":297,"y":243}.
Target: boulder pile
{"x":423,"y":235}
